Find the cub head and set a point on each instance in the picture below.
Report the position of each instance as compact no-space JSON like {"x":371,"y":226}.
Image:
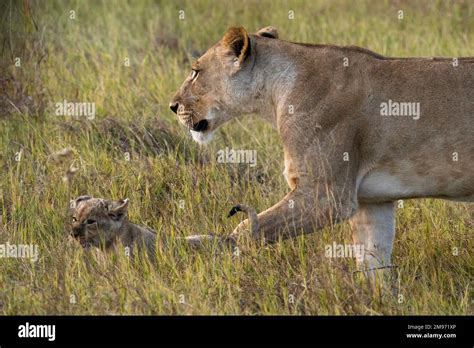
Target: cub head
{"x":222,"y":84}
{"x":95,"y":221}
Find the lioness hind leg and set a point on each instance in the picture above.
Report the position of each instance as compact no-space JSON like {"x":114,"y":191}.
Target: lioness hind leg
{"x":373,"y":226}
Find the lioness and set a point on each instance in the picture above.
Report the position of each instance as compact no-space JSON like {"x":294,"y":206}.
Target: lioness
{"x":359,"y":130}
{"x":101,"y":223}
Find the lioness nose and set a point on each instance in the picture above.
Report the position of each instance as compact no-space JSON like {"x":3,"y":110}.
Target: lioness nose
{"x":174,"y":107}
{"x":201,"y":126}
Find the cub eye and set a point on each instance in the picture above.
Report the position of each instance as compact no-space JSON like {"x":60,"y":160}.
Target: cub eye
{"x":74,"y":219}
{"x":90,"y":221}
{"x":194,"y":74}
{"x":115,"y":217}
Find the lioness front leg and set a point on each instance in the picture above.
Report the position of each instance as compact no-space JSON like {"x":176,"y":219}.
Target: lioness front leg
{"x":299,"y":212}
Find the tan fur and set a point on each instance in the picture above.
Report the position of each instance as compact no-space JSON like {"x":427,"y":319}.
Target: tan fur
{"x":270,"y":32}
{"x":339,"y":150}
{"x":101,"y":223}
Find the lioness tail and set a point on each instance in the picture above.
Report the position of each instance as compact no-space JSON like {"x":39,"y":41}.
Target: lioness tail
{"x":252,"y":215}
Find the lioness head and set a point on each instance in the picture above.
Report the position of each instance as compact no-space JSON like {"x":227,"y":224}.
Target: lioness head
{"x":222,"y":84}
{"x":95,"y":221}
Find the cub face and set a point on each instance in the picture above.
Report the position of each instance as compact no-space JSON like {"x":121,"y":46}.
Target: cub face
{"x":97,"y":222}
{"x":221,"y":85}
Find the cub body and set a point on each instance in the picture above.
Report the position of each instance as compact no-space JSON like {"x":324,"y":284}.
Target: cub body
{"x":101,"y":223}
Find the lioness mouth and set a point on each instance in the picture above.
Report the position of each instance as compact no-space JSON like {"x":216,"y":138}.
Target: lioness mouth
{"x":201,"y":126}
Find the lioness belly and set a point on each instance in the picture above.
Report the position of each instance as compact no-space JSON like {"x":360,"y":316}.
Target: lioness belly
{"x":384,"y":185}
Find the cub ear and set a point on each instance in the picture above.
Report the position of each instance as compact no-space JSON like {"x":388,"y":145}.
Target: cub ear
{"x":236,"y":43}
{"x":74,"y":202}
{"x":118,"y":209}
{"x":270,"y":32}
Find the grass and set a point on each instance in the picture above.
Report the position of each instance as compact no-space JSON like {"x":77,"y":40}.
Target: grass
{"x":84,"y":60}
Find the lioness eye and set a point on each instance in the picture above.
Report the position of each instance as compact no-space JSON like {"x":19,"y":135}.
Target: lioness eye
{"x":74,"y":219}
{"x":90,"y":221}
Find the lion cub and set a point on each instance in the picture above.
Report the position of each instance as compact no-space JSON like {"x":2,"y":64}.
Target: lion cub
{"x":101,"y":223}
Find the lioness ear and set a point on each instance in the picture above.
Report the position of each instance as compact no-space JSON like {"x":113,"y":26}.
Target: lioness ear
{"x":236,"y":43}
{"x":270,"y":32}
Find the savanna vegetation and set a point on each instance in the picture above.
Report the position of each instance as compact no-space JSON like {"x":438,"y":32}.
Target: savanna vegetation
{"x":129,"y":57}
